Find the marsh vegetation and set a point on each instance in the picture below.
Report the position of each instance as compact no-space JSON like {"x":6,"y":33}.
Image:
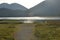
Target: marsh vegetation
{"x":7,"y":31}
{"x":48,"y":30}
{"x":45,"y":30}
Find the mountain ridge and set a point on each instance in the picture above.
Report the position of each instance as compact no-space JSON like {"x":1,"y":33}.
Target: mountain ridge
{"x":13,"y":6}
{"x":45,"y":9}
{"x":12,"y":13}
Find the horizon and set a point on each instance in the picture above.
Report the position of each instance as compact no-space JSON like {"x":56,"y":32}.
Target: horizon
{"x":30,"y":18}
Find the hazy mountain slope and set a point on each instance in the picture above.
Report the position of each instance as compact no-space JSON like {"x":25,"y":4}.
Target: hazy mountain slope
{"x":45,"y":8}
{"x":12,"y":13}
{"x":13,"y":6}
{"x":12,"y":10}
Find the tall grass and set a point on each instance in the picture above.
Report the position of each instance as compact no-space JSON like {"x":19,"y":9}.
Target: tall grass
{"x":47,"y":31}
{"x":7,"y":31}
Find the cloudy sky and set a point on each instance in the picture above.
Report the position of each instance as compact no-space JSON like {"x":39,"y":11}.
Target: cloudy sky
{"x":27,"y":3}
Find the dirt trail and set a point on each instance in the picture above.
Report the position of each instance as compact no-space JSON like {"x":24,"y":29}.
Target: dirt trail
{"x":25,"y":32}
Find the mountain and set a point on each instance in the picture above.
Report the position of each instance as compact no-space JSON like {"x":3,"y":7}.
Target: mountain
{"x":12,"y":10}
{"x":48,"y":8}
{"x":12,"y":13}
{"x":13,"y":6}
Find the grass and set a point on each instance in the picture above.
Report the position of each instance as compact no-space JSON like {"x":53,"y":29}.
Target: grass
{"x":7,"y":31}
{"x":47,"y":31}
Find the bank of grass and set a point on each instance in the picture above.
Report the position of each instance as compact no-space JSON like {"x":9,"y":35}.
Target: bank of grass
{"x":7,"y":31}
{"x":47,"y":31}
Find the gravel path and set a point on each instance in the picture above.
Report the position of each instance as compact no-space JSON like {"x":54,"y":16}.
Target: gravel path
{"x":25,"y":32}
